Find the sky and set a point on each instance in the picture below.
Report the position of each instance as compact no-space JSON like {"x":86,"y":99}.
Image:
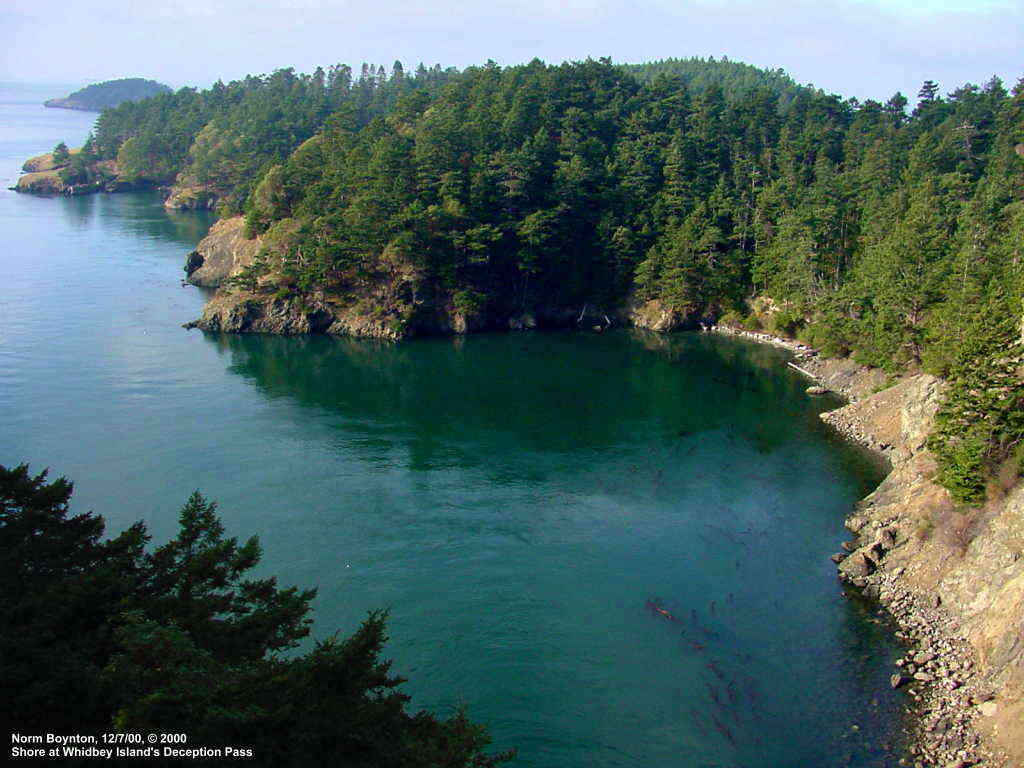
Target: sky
{"x":860,"y":48}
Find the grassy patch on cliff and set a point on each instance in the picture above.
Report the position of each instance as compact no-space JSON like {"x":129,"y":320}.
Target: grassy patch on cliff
{"x":41,"y":182}
{"x":45,"y":162}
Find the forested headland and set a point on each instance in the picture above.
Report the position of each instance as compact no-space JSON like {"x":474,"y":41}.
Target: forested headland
{"x":709,"y":190}
{"x":99,"y":96}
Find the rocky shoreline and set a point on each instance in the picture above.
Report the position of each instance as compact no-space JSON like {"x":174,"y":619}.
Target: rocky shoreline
{"x":41,"y":176}
{"x":385,"y":309}
{"x":963,"y":698}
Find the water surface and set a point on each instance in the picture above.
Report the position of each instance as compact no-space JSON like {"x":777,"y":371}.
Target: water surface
{"x":523,"y":504}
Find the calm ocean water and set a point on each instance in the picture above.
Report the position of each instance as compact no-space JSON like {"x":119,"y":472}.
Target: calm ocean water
{"x":523,"y":504}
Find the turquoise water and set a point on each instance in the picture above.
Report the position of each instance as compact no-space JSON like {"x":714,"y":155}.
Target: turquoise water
{"x":523,"y":504}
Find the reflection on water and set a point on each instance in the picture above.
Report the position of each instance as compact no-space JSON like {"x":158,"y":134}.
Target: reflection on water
{"x":540,"y":497}
{"x":540,"y":391}
{"x":138,"y":216}
{"x":79,"y":212}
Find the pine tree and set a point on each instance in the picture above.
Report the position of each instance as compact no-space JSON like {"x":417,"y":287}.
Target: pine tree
{"x":60,"y":154}
{"x":929,"y":91}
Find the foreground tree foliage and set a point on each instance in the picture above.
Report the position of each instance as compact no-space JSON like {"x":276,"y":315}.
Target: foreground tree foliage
{"x":106,"y":634}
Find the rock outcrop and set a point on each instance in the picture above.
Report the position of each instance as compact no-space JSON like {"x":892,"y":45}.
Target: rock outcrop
{"x":41,"y":183}
{"x":251,"y":312}
{"x":655,"y":315}
{"x":44,"y":162}
{"x":387,"y":309}
{"x":952,"y":578}
{"x":189,"y":198}
{"x":42,"y":176}
{"x":223,"y":253}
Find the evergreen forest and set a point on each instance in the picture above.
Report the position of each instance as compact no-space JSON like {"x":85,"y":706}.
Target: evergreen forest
{"x":99,"y":96}
{"x":890,"y":231}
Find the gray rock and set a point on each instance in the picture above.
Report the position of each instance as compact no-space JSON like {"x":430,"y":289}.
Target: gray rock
{"x":876,"y":552}
{"x":886,"y":538}
{"x":857,"y":566}
{"x":898,"y":679}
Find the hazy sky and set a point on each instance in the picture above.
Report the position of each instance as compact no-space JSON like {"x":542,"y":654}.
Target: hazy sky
{"x":863,"y":48}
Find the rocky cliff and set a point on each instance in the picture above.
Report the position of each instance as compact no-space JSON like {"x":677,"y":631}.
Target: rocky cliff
{"x":42,"y":176}
{"x":186,"y":197}
{"x":385,"y":309}
{"x":953,"y":578}
{"x":223,"y":253}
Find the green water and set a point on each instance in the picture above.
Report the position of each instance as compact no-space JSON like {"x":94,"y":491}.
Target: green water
{"x":521,"y":503}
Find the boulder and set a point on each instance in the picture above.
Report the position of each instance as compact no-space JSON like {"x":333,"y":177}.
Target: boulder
{"x":857,"y":566}
{"x":924,"y":657}
{"x":886,"y":539}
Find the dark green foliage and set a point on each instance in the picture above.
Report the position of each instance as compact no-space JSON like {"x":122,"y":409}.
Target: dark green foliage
{"x":534,"y":185}
{"x":735,"y":78}
{"x":100,"y":96}
{"x":219,"y":141}
{"x":60,"y":154}
{"x":83,"y":168}
{"x":981,"y":422}
{"x":60,"y":586}
{"x":100,"y":634}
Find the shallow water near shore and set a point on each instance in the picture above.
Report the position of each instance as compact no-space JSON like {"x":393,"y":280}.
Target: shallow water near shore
{"x":613,"y":549}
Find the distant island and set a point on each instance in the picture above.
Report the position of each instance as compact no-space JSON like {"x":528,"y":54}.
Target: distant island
{"x":100,"y":96}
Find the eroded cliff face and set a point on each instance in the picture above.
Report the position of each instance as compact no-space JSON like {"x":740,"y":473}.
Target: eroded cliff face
{"x":251,"y":312}
{"x":655,"y":315}
{"x":189,"y":197}
{"x":44,"y":162}
{"x":390,"y":308}
{"x":223,"y":253}
{"x":952,"y":577}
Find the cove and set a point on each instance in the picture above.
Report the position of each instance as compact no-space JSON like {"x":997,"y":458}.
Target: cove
{"x":523,"y":504}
